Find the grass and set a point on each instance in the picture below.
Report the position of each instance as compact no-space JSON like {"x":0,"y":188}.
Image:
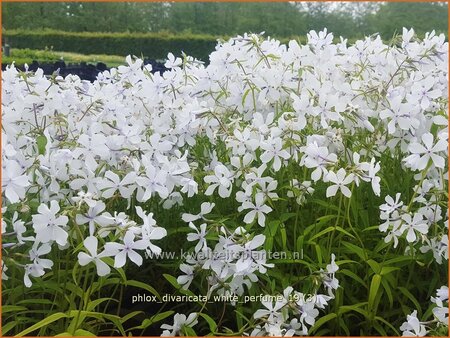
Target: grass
{"x":22,"y":56}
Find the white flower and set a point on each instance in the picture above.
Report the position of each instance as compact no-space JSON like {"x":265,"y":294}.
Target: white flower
{"x":186,"y":280}
{"x":112,"y":183}
{"x":259,"y":209}
{"x":127,"y":249}
{"x":150,"y":231}
{"x":48,"y":226}
{"x":19,"y":229}
{"x":401,"y":114}
{"x":422,"y":92}
{"x":413,"y":224}
{"x":87,"y":198}
{"x":329,"y":279}
{"x":274,"y":151}
{"x":153,"y":182}
{"x":391,"y":205}
{"x":341,"y":179}
{"x":318,"y":158}
{"x":91,"y":244}
{"x":422,"y":154}
{"x":248,"y":253}
{"x":308,"y":312}
{"x":221,"y":179}
{"x":205,"y":209}
{"x":272,"y":310}
{"x":198,"y":236}
{"x":441,"y":309}
{"x":172,"y":62}
{"x":179,"y":321}
{"x":4,"y":268}
{"x":412,"y":327}
{"x":14,"y":181}
{"x":36,"y":269}
{"x":373,"y":168}
{"x":93,"y":217}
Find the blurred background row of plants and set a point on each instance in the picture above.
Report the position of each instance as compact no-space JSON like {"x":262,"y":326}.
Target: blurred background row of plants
{"x":278,"y":19}
{"x":105,"y":32}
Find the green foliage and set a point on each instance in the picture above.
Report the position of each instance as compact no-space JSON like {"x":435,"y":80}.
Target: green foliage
{"x":22,"y":56}
{"x":285,"y":19}
{"x":153,"y":45}
{"x":393,"y":16}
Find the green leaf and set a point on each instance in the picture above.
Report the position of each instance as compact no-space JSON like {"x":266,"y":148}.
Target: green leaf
{"x":76,"y":321}
{"x":245,"y":96}
{"x":33,"y":301}
{"x":8,"y":327}
{"x":41,"y":142}
{"x":321,"y":233}
{"x":344,"y":326}
{"x":130,"y":315}
{"x":212,"y":324}
{"x":354,"y":276}
{"x":93,"y":304}
{"x":374,"y":266}
{"x":413,"y":299}
{"x":287,"y":215}
{"x":83,"y":333}
{"x":154,"y":319}
{"x":189,"y":331}
{"x":272,"y":228}
{"x":13,"y":308}
{"x":268,"y":244}
{"x":283,"y":238}
{"x":373,"y":291}
{"x":387,"y":270}
{"x":44,"y":322}
{"x":401,"y":259}
{"x":387,"y":288}
{"x":318,"y":224}
{"x":379,"y":329}
{"x":326,"y":205}
{"x":354,"y":307}
{"x":102,"y":316}
{"x":374,"y":227}
{"x":396,"y":333}
{"x":172,"y":280}
{"x":321,"y":321}
{"x":161,"y":316}
{"x":143,"y":286}
{"x":319,"y":253}
{"x":299,"y":243}
{"x":356,"y":249}
{"x":240,"y":316}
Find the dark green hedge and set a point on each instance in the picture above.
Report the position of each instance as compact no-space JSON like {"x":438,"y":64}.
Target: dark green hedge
{"x":151,"y":45}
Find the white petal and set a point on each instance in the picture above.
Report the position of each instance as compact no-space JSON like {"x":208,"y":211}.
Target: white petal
{"x":120,"y":259}
{"x":331,"y":190}
{"x":102,"y":268}
{"x":346,"y":191}
{"x":84,"y":258}
{"x":135,"y":257}
{"x":250,"y":217}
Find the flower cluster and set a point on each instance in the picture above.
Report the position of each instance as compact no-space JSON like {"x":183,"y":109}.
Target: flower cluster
{"x":295,"y":312}
{"x":87,"y":168}
{"x":415,"y":328}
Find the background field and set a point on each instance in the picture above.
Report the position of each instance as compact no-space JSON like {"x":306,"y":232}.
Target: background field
{"x":154,"y":29}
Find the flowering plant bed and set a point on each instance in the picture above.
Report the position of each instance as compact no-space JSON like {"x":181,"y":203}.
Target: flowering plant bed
{"x":280,"y":190}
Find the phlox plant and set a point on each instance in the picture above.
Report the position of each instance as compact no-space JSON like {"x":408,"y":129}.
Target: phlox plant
{"x":187,"y":183}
